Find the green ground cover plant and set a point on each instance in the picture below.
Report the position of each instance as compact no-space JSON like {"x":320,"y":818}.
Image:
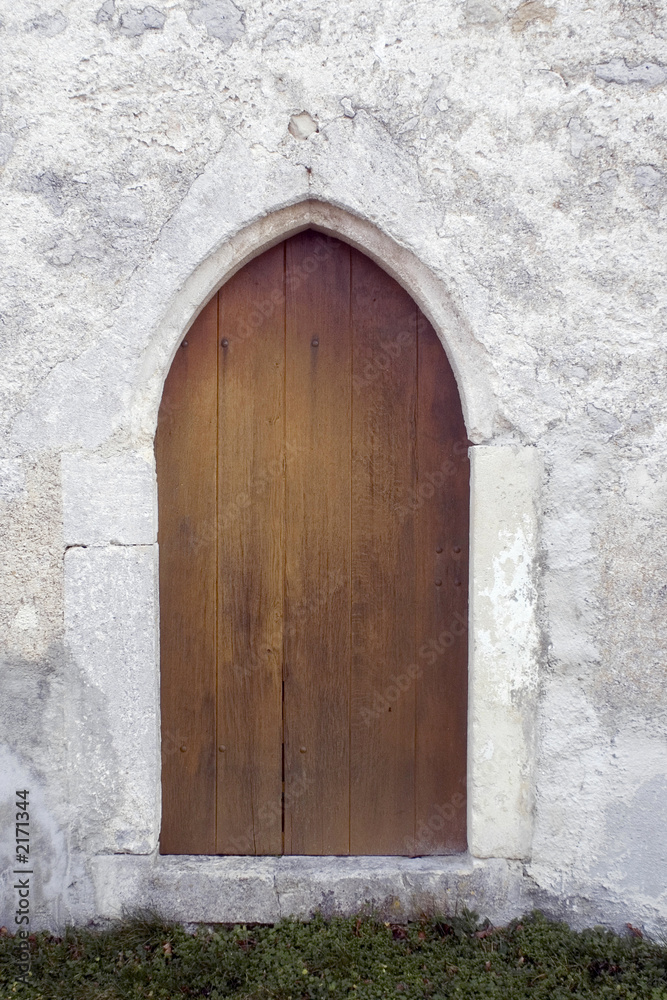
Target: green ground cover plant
{"x":359,"y":957}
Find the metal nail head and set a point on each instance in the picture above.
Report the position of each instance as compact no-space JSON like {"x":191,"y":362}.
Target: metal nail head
{"x":315,"y":342}
{"x":457,"y":549}
{"x":183,"y":748}
{"x":439,"y":549}
{"x":224,"y":343}
{"x":302,"y":749}
{"x":438,"y":583}
{"x":222,"y":748}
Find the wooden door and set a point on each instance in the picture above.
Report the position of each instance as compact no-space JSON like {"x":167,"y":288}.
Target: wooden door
{"x":313,"y":486}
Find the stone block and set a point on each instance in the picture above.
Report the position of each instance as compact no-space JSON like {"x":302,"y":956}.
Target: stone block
{"x":111,"y":707}
{"x":108,"y":500}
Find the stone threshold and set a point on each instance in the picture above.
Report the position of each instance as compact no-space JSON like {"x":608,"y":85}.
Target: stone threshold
{"x":204,"y":889}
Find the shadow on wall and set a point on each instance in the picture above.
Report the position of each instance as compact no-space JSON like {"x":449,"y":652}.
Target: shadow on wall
{"x":45,"y":731}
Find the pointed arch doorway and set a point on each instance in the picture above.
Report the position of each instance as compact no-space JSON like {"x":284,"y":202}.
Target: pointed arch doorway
{"x":313,"y":492}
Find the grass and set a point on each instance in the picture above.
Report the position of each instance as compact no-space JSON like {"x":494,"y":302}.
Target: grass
{"x":352,"y":957}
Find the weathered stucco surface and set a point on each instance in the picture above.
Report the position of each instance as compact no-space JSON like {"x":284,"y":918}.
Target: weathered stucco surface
{"x":507,"y":161}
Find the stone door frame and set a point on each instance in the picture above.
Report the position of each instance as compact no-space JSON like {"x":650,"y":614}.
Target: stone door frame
{"x":111,"y":604}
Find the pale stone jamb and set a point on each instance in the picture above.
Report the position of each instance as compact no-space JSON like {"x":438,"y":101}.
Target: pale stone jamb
{"x":504,"y":649}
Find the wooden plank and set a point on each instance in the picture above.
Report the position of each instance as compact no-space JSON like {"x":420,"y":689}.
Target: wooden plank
{"x":250,"y":557}
{"x":185,"y":453}
{"x":317,"y":573}
{"x":440,"y":511}
{"x":382,"y":751}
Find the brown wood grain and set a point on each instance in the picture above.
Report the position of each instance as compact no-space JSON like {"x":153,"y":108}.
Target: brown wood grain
{"x":185,"y":450}
{"x":317,"y":563}
{"x":251,"y":513}
{"x":313,"y":485}
{"x":382,"y":750}
{"x":440,"y":511}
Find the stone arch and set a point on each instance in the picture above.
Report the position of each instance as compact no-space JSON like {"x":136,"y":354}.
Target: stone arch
{"x":427,"y":290}
{"x":244,"y":201}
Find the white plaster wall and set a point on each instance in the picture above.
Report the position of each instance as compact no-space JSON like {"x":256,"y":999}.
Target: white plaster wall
{"x":506,"y":162}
